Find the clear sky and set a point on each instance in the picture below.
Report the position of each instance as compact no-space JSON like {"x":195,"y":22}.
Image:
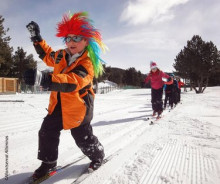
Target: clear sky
{"x":136,"y":31}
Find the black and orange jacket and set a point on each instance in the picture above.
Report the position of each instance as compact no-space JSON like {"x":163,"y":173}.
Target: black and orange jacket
{"x":74,"y":83}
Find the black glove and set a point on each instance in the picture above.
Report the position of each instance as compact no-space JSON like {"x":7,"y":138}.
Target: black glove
{"x":29,"y":77}
{"x":34,"y":30}
{"x":38,"y":78}
{"x":46,"y":80}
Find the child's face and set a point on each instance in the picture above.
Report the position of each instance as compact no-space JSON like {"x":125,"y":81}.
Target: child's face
{"x":154,"y":69}
{"x":75,"y":43}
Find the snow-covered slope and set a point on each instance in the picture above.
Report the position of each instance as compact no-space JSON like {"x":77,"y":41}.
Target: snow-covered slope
{"x":181,"y":148}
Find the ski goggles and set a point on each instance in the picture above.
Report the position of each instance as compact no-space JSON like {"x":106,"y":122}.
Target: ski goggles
{"x":76,"y":39}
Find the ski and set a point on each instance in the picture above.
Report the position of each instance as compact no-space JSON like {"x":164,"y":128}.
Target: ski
{"x":86,"y":173}
{"x":83,"y":175}
{"x":154,"y":119}
{"x":53,"y":172}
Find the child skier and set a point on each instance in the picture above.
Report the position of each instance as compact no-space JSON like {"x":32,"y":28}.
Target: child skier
{"x":170,"y":89}
{"x":72,"y":96}
{"x":155,"y":77}
{"x":180,"y":84}
{"x":175,"y":89}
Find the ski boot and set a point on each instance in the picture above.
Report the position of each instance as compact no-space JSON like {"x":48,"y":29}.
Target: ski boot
{"x":94,"y":165}
{"x":159,"y":114}
{"x":43,"y":170}
{"x":154,"y":113}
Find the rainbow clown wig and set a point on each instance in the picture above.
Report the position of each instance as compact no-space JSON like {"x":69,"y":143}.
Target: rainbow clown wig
{"x":80,"y":24}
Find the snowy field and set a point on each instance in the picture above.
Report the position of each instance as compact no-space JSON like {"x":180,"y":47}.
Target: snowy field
{"x":181,"y":148}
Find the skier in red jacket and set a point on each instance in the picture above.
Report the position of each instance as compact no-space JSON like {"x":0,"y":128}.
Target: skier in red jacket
{"x":180,"y":84}
{"x":156,"y":78}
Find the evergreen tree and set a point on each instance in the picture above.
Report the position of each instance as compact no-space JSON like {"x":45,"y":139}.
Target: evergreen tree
{"x":5,"y":51}
{"x":131,"y":77}
{"x":122,"y":77}
{"x":21,"y":63}
{"x":215,"y":76}
{"x":197,"y":62}
{"x":116,"y":75}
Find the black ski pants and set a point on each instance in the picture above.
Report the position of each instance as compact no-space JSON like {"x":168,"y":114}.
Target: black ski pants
{"x":175,"y":96}
{"x":83,"y":135}
{"x":168,"y":97}
{"x":156,"y":99}
{"x":179,"y":93}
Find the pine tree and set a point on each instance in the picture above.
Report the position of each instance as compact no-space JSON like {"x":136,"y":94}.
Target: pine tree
{"x":197,"y":62}
{"x":5,"y":51}
{"x":21,"y":63}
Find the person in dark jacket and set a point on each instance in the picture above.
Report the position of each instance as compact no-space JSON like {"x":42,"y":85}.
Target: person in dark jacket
{"x":171,"y":92}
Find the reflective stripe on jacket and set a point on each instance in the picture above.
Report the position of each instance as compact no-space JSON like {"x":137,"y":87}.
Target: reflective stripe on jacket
{"x":74,"y":83}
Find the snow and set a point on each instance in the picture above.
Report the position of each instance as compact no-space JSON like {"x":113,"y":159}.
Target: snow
{"x":181,"y":148}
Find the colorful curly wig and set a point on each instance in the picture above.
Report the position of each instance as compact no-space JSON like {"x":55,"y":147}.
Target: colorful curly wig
{"x":80,"y":24}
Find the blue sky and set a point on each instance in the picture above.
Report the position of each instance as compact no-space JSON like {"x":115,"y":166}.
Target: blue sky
{"x":136,"y":31}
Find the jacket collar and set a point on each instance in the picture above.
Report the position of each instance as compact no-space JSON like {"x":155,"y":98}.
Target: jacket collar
{"x":73,"y":58}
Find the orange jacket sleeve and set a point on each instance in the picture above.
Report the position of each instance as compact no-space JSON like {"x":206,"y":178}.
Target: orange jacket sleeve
{"x":46,"y":53}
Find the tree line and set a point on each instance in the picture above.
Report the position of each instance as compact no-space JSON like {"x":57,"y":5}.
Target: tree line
{"x":123,"y":77}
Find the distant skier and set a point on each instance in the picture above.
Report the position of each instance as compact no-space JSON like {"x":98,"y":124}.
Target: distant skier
{"x":176,"y":90}
{"x":72,"y":96}
{"x":156,"y":78}
{"x":180,"y":84}
{"x":171,"y":90}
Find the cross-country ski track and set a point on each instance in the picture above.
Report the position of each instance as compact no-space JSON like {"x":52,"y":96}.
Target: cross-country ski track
{"x":183,"y":147}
